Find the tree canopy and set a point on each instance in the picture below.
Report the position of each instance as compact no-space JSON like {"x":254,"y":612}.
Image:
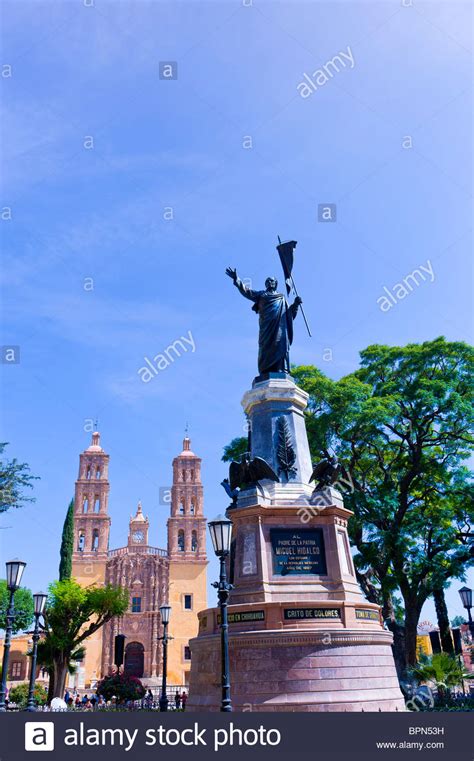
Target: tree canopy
{"x":14,"y":478}
{"x":72,"y":614}
{"x":235,"y":449}
{"x":402,"y":425}
{"x":24,"y":607}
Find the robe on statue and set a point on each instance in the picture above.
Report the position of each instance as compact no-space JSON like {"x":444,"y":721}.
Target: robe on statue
{"x":276,"y":328}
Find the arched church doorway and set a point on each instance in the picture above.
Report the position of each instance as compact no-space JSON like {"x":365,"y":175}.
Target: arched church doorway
{"x":134,"y":659}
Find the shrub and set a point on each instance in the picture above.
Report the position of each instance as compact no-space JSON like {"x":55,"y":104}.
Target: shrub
{"x":121,"y":686}
{"x":19,"y":695}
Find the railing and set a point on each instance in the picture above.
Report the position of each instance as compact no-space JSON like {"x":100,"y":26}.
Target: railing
{"x":137,"y":548}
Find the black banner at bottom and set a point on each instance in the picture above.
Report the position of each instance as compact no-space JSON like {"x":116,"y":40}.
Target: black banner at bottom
{"x":143,"y":735}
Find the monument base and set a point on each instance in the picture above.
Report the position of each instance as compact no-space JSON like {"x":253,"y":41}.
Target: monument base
{"x":304,"y":668}
{"x":302,"y":637}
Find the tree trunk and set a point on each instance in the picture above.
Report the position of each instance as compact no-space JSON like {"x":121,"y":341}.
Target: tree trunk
{"x":50,"y":685}
{"x":399,"y":648}
{"x":60,"y":675}
{"x":398,"y":631}
{"x":412,"y":616}
{"x":443,"y":621}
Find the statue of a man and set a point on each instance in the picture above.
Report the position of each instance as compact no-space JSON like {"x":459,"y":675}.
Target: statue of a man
{"x":276,"y":323}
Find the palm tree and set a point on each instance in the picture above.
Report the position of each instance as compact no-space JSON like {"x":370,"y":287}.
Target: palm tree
{"x":441,"y":670}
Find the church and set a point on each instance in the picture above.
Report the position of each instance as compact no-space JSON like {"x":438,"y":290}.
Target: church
{"x":176,"y":575}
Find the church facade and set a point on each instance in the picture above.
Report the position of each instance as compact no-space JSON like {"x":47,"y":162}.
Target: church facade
{"x":176,"y":574}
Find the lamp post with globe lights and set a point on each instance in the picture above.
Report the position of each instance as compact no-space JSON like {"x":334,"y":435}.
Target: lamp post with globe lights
{"x":39,"y":600}
{"x":15,"y":570}
{"x":221,"y":532}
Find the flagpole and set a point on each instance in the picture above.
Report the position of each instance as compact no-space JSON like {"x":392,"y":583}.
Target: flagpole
{"x":297,"y":295}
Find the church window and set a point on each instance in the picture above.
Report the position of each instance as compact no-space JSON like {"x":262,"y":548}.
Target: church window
{"x":181,"y":540}
{"x":81,"y":540}
{"x":192,"y":508}
{"x":192,"y":474}
{"x":97,"y":504}
{"x":88,"y":473}
{"x":183,"y":475}
{"x":97,"y":473}
{"x":194,"y":541}
{"x":188,"y":602}
{"x":85,"y":505}
{"x":15,"y":672}
{"x":136,"y":604}
{"x":187,"y":653}
{"x":181,"y":508}
{"x":95,"y":540}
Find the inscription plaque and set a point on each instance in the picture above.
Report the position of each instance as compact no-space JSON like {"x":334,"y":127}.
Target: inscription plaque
{"x":298,"y":551}
{"x":243,"y":616}
{"x":305,"y":614}
{"x":367,"y":615}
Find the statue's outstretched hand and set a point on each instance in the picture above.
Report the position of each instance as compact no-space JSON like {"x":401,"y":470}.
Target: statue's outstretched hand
{"x":298,"y":301}
{"x":232,"y":273}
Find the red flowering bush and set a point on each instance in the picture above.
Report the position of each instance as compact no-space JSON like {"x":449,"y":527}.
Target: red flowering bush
{"x":121,"y":686}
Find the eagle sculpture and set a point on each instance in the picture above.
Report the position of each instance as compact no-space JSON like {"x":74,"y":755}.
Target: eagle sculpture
{"x":326,"y":472}
{"x":248,"y":472}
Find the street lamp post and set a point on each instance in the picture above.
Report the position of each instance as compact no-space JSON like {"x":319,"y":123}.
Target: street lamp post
{"x":15,"y":570}
{"x":221,"y":531}
{"x":165,"y":611}
{"x":466,"y":598}
{"x":39,"y":600}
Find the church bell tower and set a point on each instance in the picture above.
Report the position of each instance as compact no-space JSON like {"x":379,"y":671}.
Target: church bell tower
{"x":187,"y":555}
{"x":91,"y":534}
{"x":91,"y":519}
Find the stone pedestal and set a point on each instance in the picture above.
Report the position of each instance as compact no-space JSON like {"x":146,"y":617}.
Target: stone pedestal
{"x":302,"y":636}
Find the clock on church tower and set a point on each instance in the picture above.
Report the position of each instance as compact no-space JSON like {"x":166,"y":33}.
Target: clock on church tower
{"x":138,"y":529}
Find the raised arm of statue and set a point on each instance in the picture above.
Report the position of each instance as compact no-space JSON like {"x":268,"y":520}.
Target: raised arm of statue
{"x":244,"y":290}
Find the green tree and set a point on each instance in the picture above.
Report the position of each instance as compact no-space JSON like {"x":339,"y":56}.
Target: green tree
{"x":458,"y":621}
{"x":402,"y":425}
{"x":235,"y":449}
{"x":72,"y":614}
{"x":19,"y":694}
{"x":67,"y":544}
{"x":23,"y":600}
{"x":14,"y":478}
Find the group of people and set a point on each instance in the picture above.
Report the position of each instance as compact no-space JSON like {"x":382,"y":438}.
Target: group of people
{"x":180,"y":700}
{"x":86,"y":703}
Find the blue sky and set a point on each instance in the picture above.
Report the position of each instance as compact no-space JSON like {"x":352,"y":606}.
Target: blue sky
{"x":96,"y":151}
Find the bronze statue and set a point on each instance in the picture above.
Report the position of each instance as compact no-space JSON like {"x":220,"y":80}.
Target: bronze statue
{"x":248,"y":472}
{"x":326,"y":472}
{"x":276,"y":323}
